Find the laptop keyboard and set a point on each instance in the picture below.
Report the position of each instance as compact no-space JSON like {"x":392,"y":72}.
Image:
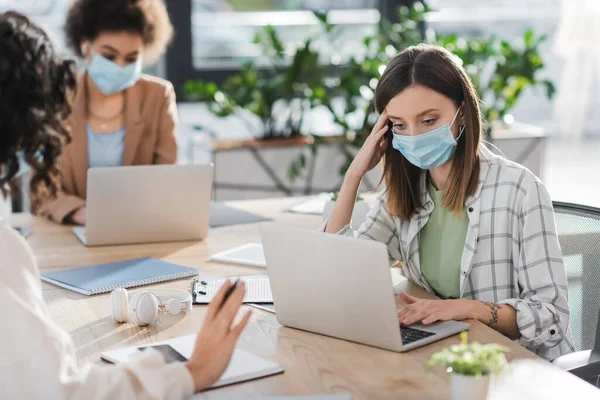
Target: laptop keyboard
{"x":411,"y":335}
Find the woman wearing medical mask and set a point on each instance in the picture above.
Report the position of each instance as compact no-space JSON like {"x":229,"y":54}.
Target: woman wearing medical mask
{"x":467,"y":225}
{"x":120,"y":116}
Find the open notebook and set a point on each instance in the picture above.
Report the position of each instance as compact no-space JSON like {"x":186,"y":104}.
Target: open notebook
{"x":244,"y":366}
{"x":104,"y":278}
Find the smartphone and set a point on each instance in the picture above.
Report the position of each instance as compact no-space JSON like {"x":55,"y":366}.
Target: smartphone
{"x":169,"y":353}
{"x":24,"y":231}
{"x":229,"y":292}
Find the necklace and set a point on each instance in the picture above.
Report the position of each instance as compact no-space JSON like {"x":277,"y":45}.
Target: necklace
{"x":105,"y":121}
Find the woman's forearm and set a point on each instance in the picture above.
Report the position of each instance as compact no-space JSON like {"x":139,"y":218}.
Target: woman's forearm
{"x":501,"y":317}
{"x":342,"y":211}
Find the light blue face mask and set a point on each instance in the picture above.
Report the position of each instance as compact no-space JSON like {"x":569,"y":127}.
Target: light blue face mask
{"x":428,"y":150}
{"x":110,"y":77}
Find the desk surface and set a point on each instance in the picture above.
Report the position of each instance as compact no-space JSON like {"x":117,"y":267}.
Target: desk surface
{"x":313,"y":364}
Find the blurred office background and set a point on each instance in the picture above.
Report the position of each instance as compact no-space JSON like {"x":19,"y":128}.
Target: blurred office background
{"x":305,"y":149}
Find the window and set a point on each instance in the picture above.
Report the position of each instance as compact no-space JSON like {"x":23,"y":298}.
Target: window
{"x":48,"y":14}
{"x":223,"y":31}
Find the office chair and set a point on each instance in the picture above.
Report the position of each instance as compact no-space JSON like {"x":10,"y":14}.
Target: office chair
{"x":578,"y":230}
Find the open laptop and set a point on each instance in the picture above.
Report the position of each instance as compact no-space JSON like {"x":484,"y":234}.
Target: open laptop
{"x":145,"y":204}
{"x":341,"y":287}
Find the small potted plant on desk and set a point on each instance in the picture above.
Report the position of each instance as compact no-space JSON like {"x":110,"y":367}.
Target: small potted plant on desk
{"x":470,"y":365}
{"x":359,"y":214}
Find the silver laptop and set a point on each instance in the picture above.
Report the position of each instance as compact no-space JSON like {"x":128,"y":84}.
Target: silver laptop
{"x":145,"y":204}
{"x":341,"y":287}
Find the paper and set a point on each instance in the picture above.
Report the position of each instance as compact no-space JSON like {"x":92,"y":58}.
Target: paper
{"x":315,"y":205}
{"x":258,"y":290}
{"x":249,"y":254}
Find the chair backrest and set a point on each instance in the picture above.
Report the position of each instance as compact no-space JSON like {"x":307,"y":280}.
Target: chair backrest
{"x":579,"y":235}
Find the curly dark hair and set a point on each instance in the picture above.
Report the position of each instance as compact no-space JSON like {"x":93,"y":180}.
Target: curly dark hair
{"x":87,"y":19}
{"x":35,"y":90}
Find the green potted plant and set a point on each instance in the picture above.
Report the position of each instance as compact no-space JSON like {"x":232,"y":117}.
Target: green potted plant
{"x":271,"y":97}
{"x":359,"y":213}
{"x":292,"y":81}
{"x":278,"y":92}
{"x":470,"y":366}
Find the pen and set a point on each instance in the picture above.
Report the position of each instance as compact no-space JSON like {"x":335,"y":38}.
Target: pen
{"x":229,"y":292}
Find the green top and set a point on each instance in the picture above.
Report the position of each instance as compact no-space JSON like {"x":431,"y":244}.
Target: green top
{"x":441,"y":243}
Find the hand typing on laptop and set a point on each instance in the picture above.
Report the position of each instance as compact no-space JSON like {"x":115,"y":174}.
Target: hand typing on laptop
{"x":430,"y":311}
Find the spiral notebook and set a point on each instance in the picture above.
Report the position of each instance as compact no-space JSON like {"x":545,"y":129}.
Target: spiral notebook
{"x":104,"y":278}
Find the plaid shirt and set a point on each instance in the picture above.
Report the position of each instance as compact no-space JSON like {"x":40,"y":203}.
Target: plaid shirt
{"x":511,"y":253}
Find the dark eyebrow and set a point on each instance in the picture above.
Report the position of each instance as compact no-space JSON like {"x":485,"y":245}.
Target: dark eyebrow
{"x":418,"y":115}
{"x":110,"y":48}
{"x":107,"y":47}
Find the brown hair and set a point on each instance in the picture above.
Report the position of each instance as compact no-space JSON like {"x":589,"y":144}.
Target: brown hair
{"x":36,"y":86}
{"x":87,"y":19}
{"x":435,"y":68}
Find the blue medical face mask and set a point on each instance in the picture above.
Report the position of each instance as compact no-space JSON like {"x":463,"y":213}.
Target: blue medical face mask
{"x":428,"y":150}
{"x":110,"y":77}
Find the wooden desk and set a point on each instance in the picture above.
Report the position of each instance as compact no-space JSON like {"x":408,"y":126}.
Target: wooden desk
{"x":313,"y":364}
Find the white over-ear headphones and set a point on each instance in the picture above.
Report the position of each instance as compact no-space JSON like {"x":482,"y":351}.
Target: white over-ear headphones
{"x":144,"y":307}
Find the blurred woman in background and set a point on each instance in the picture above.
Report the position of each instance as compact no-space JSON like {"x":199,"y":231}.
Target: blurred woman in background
{"x":120,"y":116}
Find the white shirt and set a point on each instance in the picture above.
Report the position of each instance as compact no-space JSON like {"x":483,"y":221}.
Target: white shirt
{"x":511,"y":253}
{"x":38,"y":358}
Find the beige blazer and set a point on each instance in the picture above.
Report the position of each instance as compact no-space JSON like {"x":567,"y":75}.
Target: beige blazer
{"x":150,"y":138}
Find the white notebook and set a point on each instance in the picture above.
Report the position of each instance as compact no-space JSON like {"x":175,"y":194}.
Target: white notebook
{"x":249,"y":254}
{"x":258,"y":290}
{"x":244,"y":366}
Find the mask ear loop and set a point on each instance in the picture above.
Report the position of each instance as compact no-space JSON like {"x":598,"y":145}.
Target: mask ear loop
{"x":461,"y":130}
{"x":455,"y":115}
